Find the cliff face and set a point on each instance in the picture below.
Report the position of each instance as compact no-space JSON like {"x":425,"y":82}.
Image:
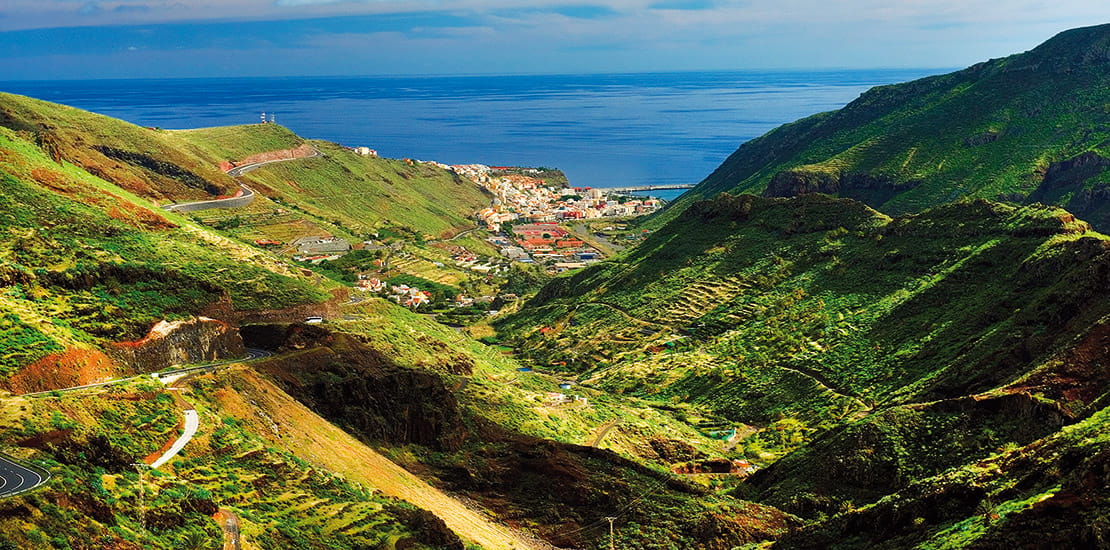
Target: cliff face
{"x":855,"y":185}
{"x":225,"y":311}
{"x":178,"y":343}
{"x":1076,"y":183}
{"x":167,"y":344}
{"x":357,"y":387}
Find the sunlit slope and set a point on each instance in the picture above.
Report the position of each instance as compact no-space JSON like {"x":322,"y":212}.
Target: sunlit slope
{"x":896,"y":348}
{"x":362,"y":193}
{"x":84,"y":263}
{"x":146,"y":161}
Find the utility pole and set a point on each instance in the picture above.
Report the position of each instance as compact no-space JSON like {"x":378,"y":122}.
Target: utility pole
{"x":142,"y":494}
{"x":612,"y":540}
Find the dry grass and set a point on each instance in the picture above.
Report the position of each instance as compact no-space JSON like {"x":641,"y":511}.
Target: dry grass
{"x":272,"y":413}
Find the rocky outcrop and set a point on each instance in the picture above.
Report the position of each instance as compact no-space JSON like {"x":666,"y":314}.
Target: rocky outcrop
{"x":177,"y":343}
{"x":1069,"y":174}
{"x":873,"y":190}
{"x":355,"y":386}
{"x":225,"y":311}
{"x":1066,"y":183}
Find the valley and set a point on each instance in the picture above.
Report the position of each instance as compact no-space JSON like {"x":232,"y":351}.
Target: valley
{"x":239,"y":337}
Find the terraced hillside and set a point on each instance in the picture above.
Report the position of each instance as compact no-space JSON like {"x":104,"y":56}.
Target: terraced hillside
{"x":1029,"y":127}
{"x":894,"y":348}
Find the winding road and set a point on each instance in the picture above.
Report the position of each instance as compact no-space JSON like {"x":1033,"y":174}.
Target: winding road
{"x":192,"y":424}
{"x":246,"y":195}
{"x":16,"y":478}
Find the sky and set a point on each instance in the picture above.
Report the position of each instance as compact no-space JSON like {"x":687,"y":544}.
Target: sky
{"x":87,"y":39}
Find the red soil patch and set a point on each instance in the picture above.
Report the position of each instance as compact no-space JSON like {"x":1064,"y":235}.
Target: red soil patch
{"x":1080,"y":374}
{"x":72,"y":367}
{"x":150,"y":458}
{"x":138,"y":216}
{"x":53,"y":180}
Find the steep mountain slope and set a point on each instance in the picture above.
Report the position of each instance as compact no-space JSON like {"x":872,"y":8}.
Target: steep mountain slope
{"x":868,"y":352}
{"x":1028,"y":127}
{"x":144,"y":161}
{"x":87,"y":264}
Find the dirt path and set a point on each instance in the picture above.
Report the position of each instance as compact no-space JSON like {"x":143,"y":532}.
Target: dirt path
{"x":300,"y":431}
{"x":825,"y":383}
{"x":603,"y":431}
{"x":229,"y":522}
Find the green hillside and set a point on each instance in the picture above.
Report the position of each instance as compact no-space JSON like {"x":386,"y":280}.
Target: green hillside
{"x":86,"y":263}
{"x":87,"y":267}
{"x":1028,"y":127}
{"x":894,"y":348}
{"x":145,"y":161}
{"x":361,"y":193}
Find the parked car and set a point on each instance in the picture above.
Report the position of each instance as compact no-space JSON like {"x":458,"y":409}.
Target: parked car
{"x":314,"y":320}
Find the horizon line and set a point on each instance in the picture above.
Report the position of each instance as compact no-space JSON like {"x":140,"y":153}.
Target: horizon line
{"x":489,"y":75}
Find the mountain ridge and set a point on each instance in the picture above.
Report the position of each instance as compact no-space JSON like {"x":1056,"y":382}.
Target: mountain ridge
{"x":991,"y":130}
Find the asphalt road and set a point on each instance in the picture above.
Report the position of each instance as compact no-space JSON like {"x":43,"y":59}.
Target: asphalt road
{"x":244,"y":198}
{"x":192,"y":424}
{"x":15,"y":479}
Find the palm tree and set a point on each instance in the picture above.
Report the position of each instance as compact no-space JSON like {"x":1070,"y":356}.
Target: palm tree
{"x":195,"y":540}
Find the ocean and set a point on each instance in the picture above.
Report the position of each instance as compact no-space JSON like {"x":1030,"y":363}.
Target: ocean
{"x":602,"y":130}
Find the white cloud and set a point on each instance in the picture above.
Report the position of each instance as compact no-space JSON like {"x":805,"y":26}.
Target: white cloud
{"x":532,"y":36}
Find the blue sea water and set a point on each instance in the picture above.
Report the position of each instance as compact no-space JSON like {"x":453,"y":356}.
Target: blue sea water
{"x":602,"y":130}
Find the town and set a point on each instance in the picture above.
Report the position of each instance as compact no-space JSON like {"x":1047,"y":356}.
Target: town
{"x":535,"y":222}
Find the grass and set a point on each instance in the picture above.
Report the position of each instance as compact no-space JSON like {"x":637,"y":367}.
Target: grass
{"x":988,"y":131}
{"x":819,"y":310}
{"x":360,"y":195}
{"x":142,"y":160}
{"x":234,"y":143}
{"x":87,"y":262}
